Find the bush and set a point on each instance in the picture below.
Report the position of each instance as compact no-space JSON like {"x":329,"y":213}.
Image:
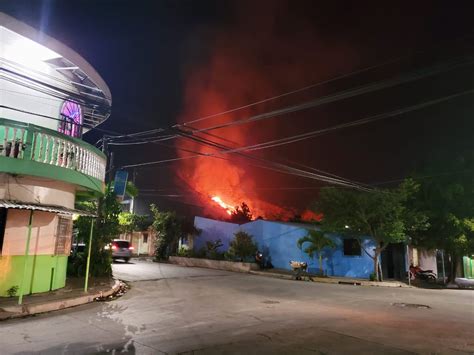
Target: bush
{"x":242,"y":247}
{"x":373,"y":277}
{"x":12,"y":291}
{"x":185,"y":252}
{"x":212,"y":251}
{"x":76,"y":265}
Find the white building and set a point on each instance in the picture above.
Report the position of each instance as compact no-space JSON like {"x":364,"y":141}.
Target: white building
{"x":49,"y":96}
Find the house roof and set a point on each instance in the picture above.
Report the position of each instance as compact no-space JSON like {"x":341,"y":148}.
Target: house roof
{"x":45,"y":208}
{"x":293,"y":224}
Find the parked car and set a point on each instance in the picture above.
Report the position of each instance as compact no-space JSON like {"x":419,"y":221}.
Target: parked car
{"x":78,"y":248}
{"x":121,"y":249}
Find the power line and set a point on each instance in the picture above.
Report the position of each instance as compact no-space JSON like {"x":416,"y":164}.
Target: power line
{"x":417,"y":75}
{"x":299,"y":171}
{"x":312,"y":134}
{"x":340,"y":95}
{"x":311,"y":86}
{"x":282,"y":168}
{"x":305,"y":88}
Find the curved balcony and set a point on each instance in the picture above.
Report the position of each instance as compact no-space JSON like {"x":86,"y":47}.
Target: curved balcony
{"x":28,"y":149}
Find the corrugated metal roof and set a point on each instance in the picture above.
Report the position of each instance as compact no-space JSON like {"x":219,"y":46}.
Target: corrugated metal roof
{"x":46,"y":208}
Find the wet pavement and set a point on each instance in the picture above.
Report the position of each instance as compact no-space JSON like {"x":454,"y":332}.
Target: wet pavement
{"x":173,"y":309}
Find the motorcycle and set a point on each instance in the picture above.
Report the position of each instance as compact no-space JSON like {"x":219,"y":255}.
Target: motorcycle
{"x":259,"y":259}
{"x":424,"y":275}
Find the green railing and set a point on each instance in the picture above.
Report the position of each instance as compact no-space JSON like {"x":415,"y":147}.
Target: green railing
{"x":25,"y":141}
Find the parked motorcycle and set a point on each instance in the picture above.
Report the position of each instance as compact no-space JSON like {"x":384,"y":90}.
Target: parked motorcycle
{"x":259,"y":259}
{"x":425,"y":275}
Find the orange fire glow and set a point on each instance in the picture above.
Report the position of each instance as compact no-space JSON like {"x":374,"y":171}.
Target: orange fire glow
{"x":235,"y":73}
{"x":229,"y":209}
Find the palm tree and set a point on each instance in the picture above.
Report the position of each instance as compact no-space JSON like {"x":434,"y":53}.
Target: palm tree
{"x":317,"y":242}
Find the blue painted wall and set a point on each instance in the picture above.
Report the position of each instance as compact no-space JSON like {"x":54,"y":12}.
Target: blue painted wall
{"x":211,"y":230}
{"x":277,"y":240}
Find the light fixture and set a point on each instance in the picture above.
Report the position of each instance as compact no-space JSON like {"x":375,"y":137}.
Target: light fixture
{"x":24,"y":51}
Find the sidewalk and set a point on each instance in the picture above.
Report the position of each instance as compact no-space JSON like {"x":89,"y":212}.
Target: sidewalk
{"x":288,"y":275}
{"x":69,"y":296}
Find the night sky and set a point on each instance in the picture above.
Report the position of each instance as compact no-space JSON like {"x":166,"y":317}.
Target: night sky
{"x":175,"y":61}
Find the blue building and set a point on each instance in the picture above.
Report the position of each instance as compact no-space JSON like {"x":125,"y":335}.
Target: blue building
{"x":278,"y":241}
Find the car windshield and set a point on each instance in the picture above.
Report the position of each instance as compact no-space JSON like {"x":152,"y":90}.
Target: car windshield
{"x":121,"y":244}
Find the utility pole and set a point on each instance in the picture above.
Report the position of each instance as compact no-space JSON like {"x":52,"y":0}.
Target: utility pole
{"x":109,"y":156}
{"x":132,"y":201}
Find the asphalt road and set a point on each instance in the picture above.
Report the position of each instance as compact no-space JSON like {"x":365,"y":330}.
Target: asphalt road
{"x":171,"y":309}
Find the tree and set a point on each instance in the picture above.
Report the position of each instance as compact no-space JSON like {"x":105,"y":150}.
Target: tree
{"x":131,"y":189}
{"x":381,"y":214}
{"x":316,"y":241}
{"x":241,"y":214}
{"x":169,"y":228}
{"x":242,"y":246}
{"x":131,"y":222}
{"x":106,"y":228}
{"x":448,"y":200}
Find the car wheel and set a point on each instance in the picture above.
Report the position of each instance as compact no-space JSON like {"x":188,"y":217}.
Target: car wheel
{"x":126,"y":259}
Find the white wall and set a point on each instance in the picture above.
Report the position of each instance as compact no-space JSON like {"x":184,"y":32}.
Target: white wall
{"x":27,"y":57}
{"x":427,"y":259}
{"x":17,"y":96}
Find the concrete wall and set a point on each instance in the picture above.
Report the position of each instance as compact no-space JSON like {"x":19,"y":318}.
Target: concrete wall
{"x":43,"y":273}
{"x":137,"y":241}
{"x":42,"y":233}
{"x":20,"y":97}
{"x":211,"y":230}
{"x":44,"y":270}
{"x":37,"y":190}
{"x":427,"y":260}
{"x":278,"y":241}
{"x":213,"y":264}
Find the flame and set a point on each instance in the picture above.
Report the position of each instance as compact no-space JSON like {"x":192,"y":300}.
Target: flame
{"x":229,"y":209}
{"x":310,"y":216}
{"x":235,"y":73}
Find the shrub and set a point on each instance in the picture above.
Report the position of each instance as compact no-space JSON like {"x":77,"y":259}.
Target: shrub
{"x":183,"y":251}
{"x":76,"y":265}
{"x":200,"y":253}
{"x":12,"y":291}
{"x":373,"y":277}
{"x":212,"y":251}
{"x":242,"y":247}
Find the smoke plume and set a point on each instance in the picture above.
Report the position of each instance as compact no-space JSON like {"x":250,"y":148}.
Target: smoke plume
{"x":262,"y":53}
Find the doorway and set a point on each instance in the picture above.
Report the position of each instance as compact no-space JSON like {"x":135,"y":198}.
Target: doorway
{"x":3,"y":224}
{"x":393,"y":262}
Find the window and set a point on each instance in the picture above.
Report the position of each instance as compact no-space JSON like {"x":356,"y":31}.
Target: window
{"x":71,"y":119}
{"x":3,"y":223}
{"x":351,"y":247}
{"x":145,"y":238}
{"x":121,"y":244}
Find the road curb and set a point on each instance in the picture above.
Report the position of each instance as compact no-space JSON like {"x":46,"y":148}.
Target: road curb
{"x":329,"y":280}
{"x":56,"y":305}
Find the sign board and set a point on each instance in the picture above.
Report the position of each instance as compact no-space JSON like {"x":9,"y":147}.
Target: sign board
{"x":120,"y":183}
